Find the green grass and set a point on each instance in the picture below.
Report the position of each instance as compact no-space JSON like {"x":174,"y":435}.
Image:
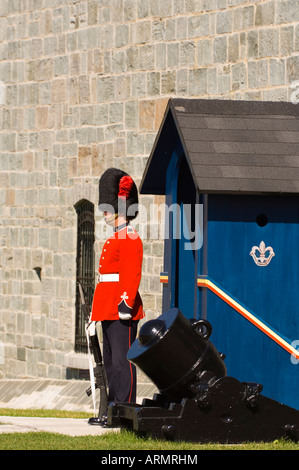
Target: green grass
{"x":44,"y":413}
{"x":123,"y":440}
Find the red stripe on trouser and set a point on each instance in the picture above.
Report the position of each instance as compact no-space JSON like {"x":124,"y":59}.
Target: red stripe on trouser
{"x":131,"y":371}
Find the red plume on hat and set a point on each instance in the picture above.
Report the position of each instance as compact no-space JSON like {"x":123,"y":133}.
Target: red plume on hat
{"x":125,"y":186}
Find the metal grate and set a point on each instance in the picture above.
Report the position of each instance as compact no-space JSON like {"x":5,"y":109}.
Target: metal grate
{"x":85,"y":267}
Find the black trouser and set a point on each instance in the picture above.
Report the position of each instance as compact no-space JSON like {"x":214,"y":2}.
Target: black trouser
{"x":118,"y":335}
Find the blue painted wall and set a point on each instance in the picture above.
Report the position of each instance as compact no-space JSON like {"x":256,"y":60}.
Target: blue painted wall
{"x":236,"y":224}
{"x":232,"y":225}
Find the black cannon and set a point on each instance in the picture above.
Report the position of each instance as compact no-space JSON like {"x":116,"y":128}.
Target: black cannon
{"x":197,"y":401}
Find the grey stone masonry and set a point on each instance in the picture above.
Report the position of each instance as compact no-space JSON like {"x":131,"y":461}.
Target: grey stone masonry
{"x":83,"y":86}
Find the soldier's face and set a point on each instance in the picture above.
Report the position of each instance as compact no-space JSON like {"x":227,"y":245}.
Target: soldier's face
{"x":109,"y":218}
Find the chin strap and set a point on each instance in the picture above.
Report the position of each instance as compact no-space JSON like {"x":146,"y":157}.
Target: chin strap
{"x":111,"y":219}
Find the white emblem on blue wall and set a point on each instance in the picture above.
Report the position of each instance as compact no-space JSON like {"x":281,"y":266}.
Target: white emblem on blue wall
{"x":262,"y":255}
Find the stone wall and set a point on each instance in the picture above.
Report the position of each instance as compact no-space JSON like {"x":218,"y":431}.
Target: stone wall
{"x":83,"y":86}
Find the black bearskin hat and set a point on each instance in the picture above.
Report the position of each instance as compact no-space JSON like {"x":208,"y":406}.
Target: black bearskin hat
{"x":118,"y":193}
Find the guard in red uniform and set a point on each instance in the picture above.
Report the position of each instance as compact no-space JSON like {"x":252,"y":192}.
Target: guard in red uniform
{"x":117,"y":303}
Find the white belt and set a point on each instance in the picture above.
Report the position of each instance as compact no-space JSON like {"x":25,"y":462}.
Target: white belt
{"x":108,"y":277}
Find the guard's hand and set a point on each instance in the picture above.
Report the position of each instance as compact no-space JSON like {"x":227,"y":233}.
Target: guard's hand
{"x":124,"y":316}
{"x":91,"y":328}
{"x":124,"y":311}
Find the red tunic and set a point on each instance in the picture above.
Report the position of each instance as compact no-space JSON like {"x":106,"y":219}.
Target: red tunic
{"x":122,"y":254}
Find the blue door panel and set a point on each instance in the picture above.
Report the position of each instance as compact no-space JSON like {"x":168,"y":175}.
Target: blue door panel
{"x":235,"y":225}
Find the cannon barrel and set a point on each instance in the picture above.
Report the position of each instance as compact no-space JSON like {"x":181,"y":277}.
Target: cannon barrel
{"x":176,"y":354}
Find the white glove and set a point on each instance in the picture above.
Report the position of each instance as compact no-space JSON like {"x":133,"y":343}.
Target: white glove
{"x":124,"y":316}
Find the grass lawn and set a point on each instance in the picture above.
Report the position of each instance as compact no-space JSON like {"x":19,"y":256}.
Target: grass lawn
{"x":124,"y":440}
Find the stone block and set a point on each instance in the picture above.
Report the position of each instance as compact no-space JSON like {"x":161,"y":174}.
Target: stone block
{"x":198,"y":26}
{"x":139,"y":85}
{"x":268,"y":42}
{"x":287,"y":12}
{"x":121,"y":35}
{"x":122,"y":87}
{"x":276,"y":72}
{"x":168,"y":82}
{"x":118,"y":61}
{"x":161,"y":56}
{"x":187,"y":54}
{"x":258,"y":74}
{"x":141,"y":32}
{"x":40,"y":70}
{"x":239,"y":76}
{"x":220,"y":49}
{"x":182,"y":28}
{"x":252,"y":44}
{"x":61,"y":65}
{"x":58,"y":90}
{"x":243,"y":18}
{"x":182,"y":82}
{"x":158,"y":31}
{"x":198,"y":82}
{"x":147,"y":57}
{"x":92,"y":12}
{"x":224,"y":22}
{"x":223,"y":79}
{"x":265,"y":14}
{"x":105,"y":89}
{"x":173,"y":54}
{"x":292,"y":69}
{"x":204,"y":52}
{"x":287,"y":45}
{"x":233,"y":48}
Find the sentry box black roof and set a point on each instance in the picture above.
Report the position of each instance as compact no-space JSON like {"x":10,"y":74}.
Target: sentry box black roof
{"x":231,"y":146}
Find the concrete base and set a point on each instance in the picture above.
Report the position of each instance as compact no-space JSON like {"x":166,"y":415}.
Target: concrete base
{"x":68,"y":426}
{"x":54,"y":394}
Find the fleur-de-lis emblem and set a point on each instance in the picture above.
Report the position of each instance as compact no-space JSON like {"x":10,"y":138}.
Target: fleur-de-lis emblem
{"x":262,"y":259}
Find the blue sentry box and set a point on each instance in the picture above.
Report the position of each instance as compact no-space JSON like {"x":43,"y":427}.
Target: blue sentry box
{"x":229,"y":171}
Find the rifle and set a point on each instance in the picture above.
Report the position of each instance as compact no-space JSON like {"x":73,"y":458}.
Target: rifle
{"x":97,"y":375}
